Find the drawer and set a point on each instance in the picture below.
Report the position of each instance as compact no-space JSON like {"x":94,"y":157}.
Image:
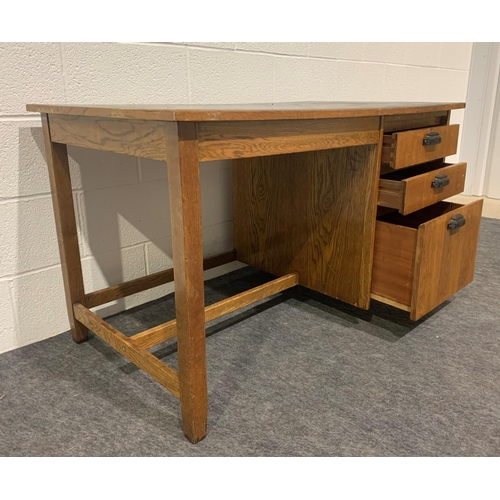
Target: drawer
{"x":411,"y":147}
{"x":422,"y":259}
{"x":411,"y":189}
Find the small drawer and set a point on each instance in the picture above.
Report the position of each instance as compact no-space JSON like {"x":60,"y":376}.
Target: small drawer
{"x":422,"y":259}
{"x":411,"y":147}
{"x":411,"y":189}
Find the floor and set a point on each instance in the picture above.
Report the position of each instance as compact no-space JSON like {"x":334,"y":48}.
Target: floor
{"x":297,"y":375}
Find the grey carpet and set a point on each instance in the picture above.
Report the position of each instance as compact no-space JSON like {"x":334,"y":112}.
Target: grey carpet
{"x":298,"y":374}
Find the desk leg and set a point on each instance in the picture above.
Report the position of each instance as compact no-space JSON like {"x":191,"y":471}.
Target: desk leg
{"x":67,"y":236}
{"x":185,"y":208}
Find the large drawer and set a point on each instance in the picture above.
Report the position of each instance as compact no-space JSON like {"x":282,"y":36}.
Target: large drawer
{"x":411,"y":147}
{"x":422,"y":259}
{"x":411,"y":189}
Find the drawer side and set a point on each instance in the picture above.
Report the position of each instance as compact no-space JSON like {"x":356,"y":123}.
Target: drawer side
{"x":393,"y":262}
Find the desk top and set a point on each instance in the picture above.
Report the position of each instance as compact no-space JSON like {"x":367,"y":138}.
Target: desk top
{"x":237,"y":112}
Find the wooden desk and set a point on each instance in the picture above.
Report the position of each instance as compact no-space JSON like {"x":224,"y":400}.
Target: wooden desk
{"x":307,"y":180}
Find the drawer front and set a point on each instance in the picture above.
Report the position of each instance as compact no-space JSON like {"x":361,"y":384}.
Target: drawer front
{"x":422,"y":259}
{"x":411,"y":147}
{"x":445,"y":257}
{"x":409,"y":190}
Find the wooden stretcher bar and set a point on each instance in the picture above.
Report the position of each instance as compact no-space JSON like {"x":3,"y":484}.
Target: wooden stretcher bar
{"x":115,"y":292}
{"x":166,"y":331}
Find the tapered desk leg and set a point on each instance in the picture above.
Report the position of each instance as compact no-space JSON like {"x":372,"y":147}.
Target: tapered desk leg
{"x":185,"y":207}
{"x":67,"y":237}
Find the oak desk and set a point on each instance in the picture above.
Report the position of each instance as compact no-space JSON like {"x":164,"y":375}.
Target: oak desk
{"x":343,"y":198}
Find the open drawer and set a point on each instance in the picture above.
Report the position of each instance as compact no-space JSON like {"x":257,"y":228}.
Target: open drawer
{"x":411,"y":147}
{"x":422,"y":259}
{"x":411,"y":189}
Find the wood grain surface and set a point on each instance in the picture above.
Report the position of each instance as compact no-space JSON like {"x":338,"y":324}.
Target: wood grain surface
{"x":67,"y":235}
{"x":419,"y":192}
{"x":230,"y":112}
{"x":404,"y":149}
{"x":391,"y":194}
{"x":130,"y":137}
{"x":445,"y":259}
{"x":187,"y":247}
{"x":115,"y":292}
{"x":158,"y":370}
{"x":419,"y":262}
{"x":410,"y":189}
{"x":393,"y":262}
{"x":390,"y":302}
{"x":166,"y":331}
{"x":225,"y":140}
{"x":310,"y":213}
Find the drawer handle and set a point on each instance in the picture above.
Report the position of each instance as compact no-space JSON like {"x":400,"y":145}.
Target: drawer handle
{"x":456,"y":222}
{"x":441,"y":180}
{"x":432,"y":138}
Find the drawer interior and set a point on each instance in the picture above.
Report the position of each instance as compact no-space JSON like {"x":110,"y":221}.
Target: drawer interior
{"x":406,"y":173}
{"x":420,"y":216}
{"x":399,"y":123}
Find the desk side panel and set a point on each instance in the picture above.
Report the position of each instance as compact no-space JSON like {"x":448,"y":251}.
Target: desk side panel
{"x":311,"y":213}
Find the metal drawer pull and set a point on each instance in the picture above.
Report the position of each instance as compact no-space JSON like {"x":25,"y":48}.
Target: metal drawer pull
{"x":456,"y":221}
{"x":441,"y":180}
{"x":432,"y":138}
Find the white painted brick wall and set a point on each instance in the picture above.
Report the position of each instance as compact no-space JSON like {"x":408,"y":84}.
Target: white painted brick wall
{"x":29,"y":72}
{"x":123,"y":216}
{"x":288,"y":48}
{"x":305,"y":79}
{"x":337,"y":50}
{"x":362,"y":81}
{"x":28,"y":233}
{"x":23,"y":170}
{"x":8,"y":331}
{"x":118,"y":73}
{"x":38,"y":305}
{"x":122,"y":202}
{"x":385,"y":52}
{"x":100,"y":169}
{"x":226,"y":76}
